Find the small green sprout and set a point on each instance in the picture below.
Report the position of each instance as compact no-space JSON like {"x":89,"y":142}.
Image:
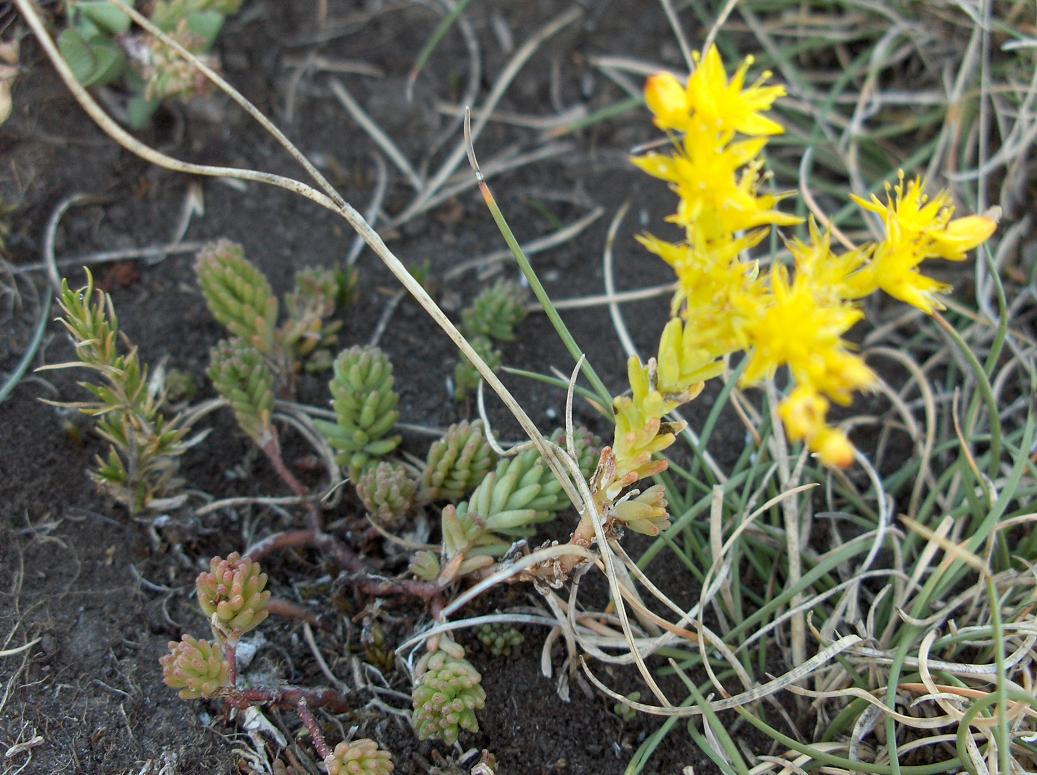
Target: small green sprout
{"x":239,"y":296}
{"x":496,"y":311}
{"x":498,"y":639}
{"x":140,"y":467}
{"x":243,"y":377}
{"x":466,"y":376}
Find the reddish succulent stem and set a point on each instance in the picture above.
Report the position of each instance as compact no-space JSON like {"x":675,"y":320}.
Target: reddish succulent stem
{"x":288,"y":696}
{"x":272,"y":450}
{"x":348,"y":559}
{"x":278,"y":606}
{"x":230,"y":654}
{"x":313,"y":727}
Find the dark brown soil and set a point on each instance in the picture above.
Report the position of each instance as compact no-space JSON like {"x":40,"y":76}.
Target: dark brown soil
{"x":97,"y":595}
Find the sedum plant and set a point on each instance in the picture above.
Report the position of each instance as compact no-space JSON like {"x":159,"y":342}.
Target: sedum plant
{"x":101,"y":48}
{"x":243,"y":377}
{"x":197,"y":668}
{"x":365,"y":401}
{"x":447,"y":692}
{"x":240,"y":297}
{"x":359,"y":757}
{"x":793,"y":318}
{"x":307,"y":331}
{"x":387,"y":491}
{"x":466,"y":376}
{"x":144,"y":446}
{"x":490,"y":318}
{"x":232,"y":593}
{"x":498,"y":639}
{"x":456,"y":463}
{"x":509,"y":501}
{"x":496,"y":311}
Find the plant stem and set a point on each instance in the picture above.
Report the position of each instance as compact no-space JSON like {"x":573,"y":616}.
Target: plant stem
{"x":313,"y":727}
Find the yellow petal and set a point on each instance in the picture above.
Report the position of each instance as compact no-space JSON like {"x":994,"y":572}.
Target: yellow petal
{"x":962,"y":235}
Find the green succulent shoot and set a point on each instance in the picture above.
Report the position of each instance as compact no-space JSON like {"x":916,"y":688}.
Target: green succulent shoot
{"x":456,"y":463}
{"x":447,"y":692}
{"x":232,"y":594}
{"x":498,"y":639}
{"x":359,"y":757}
{"x":364,"y":401}
{"x":466,"y":376}
{"x":387,"y":491}
{"x":242,"y":376}
{"x":196,"y":667}
{"x":239,"y":296}
{"x":490,"y":318}
{"x":509,"y":501}
{"x":308,"y":308}
{"x":496,"y":311}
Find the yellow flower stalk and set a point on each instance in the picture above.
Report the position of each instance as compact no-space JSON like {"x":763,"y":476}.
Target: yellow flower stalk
{"x":793,"y":318}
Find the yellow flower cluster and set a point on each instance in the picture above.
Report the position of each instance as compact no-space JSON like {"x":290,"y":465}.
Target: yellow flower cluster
{"x":795,"y":318}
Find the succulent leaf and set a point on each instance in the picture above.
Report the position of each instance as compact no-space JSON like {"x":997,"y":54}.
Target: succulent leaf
{"x":498,"y":639}
{"x":466,"y":376}
{"x":365,"y":408}
{"x":496,"y":311}
{"x":238,"y":295}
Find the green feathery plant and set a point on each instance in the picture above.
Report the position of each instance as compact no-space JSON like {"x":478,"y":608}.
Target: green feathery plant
{"x":144,"y":446}
{"x":101,"y":49}
{"x":490,"y":318}
{"x":364,"y":401}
